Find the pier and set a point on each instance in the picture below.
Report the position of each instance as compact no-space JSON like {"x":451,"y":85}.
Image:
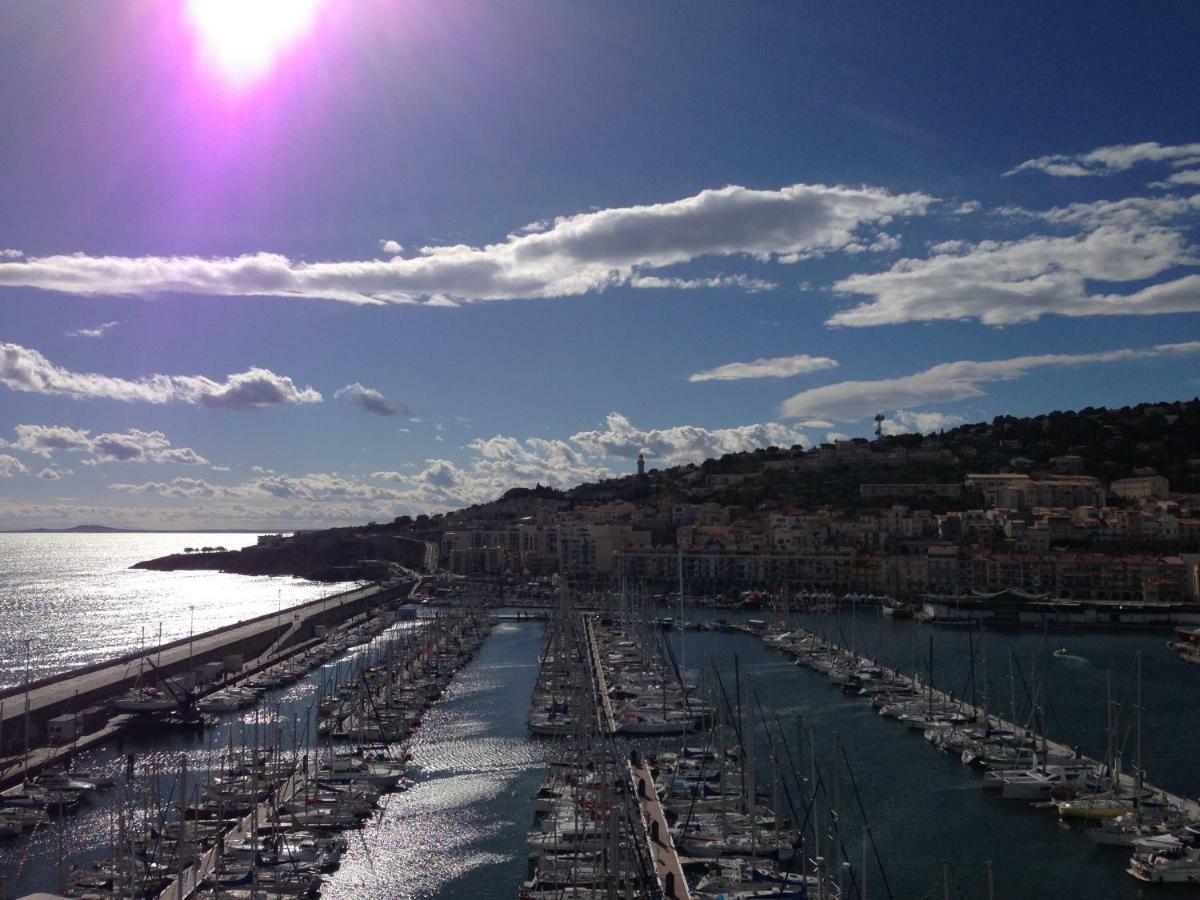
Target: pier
{"x":604,"y":710}
{"x":662,"y":846}
{"x":242,"y":648}
{"x":221,"y":842}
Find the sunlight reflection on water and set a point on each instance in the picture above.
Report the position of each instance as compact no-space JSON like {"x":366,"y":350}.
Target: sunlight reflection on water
{"x":76,"y":598}
{"x":460,"y":830}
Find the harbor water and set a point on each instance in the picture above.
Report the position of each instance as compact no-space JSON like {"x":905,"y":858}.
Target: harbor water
{"x":459,"y":831}
{"x":928,"y":816}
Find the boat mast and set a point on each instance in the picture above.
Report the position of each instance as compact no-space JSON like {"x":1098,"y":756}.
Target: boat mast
{"x":28,"y":660}
{"x":1138,"y":742}
{"x":682,"y":649}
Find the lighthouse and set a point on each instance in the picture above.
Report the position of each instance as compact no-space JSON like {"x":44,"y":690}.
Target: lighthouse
{"x":641,"y":466}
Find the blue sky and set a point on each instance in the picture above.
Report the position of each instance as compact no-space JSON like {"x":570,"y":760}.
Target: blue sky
{"x":289,"y":264}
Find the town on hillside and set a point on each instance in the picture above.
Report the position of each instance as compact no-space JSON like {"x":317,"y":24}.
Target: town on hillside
{"x":1099,"y":505}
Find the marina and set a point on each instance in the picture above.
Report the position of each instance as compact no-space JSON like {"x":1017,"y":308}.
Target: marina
{"x":261,"y":794}
{"x":681,"y":788}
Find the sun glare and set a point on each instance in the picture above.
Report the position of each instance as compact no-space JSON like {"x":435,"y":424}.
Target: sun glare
{"x":241,"y":39}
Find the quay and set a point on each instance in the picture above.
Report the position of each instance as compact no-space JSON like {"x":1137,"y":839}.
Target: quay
{"x":1190,"y":807}
{"x":667,"y":867}
{"x":242,"y":648}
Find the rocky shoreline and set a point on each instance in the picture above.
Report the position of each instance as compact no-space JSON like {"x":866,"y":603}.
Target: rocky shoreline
{"x":330,"y":555}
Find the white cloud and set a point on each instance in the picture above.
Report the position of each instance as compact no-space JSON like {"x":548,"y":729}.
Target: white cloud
{"x":746,"y":283}
{"x":498,"y":464}
{"x":177,"y":487}
{"x":10,"y":466}
{"x":24,"y":369}
{"x":1185,"y":178}
{"x":142,"y":446}
{"x":834,"y":436}
{"x":682,"y":443}
{"x":97,"y":332}
{"x":11,"y":254}
{"x":372,"y":401}
{"x":131,"y":446}
{"x":49,"y":474}
{"x":393,"y":247}
{"x":45,"y":440}
{"x":575,"y":255}
{"x":1006,"y":282}
{"x":912,"y":421}
{"x":881,"y":243}
{"x":852,"y":401}
{"x":1106,"y":160}
{"x":952,"y":246}
{"x":775,"y":367}
{"x":967,"y":207}
{"x":273,"y":500}
{"x":1128,"y":212}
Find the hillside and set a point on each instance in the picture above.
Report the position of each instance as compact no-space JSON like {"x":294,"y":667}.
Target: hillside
{"x":1150,"y":438}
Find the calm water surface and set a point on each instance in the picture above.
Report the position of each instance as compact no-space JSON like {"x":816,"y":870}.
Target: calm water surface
{"x":460,"y":831}
{"x":75,"y":597}
{"x":926,"y":810}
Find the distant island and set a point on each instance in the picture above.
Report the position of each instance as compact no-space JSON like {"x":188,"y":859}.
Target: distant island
{"x":105,"y":529}
{"x":78,"y":529}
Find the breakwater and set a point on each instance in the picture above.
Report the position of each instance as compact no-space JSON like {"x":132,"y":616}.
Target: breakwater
{"x":26,"y":710}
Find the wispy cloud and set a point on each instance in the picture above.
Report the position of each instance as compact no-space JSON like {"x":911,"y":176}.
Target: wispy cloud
{"x":852,"y":401}
{"x":1108,"y":160}
{"x":493,"y":465}
{"x":775,"y":367}
{"x":27,"y":370}
{"x":574,"y":255}
{"x":98,"y":332}
{"x":1005,"y":282}
{"x":744,"y":282}
{"x":129,"y":446}
{"x":372,"y":401}
{"x":1186,"y":178}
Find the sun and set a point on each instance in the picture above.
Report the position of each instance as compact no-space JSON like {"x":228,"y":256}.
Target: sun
{"x":241,"y":39}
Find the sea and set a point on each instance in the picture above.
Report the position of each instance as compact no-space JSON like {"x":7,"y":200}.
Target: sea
{"x":459,"y":831}
{"x":69,"y":599}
